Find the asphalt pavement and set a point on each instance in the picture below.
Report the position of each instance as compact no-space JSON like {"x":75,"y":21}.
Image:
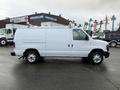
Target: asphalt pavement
{"x":59,"y":74}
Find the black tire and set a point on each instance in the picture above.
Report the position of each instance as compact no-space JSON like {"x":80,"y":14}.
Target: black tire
{"x":3,"y":42}
{"x":113,"y":44}
{"x":32,"y":57}
{"x":96,"y":57}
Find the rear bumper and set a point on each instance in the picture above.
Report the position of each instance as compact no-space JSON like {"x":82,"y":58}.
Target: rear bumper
{"x":12,"y":54}
{"x":106,"y":54}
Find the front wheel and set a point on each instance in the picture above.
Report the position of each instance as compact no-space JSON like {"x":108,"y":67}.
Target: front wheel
{"x":96,"y":57}
{"x":3,"y":42}
{"x":32,"y":57}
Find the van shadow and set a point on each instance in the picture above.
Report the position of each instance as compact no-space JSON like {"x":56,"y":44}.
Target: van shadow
{"x":31,"y":76}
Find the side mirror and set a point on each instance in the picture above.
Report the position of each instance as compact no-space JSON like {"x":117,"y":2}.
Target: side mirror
{"x":87,"y":38}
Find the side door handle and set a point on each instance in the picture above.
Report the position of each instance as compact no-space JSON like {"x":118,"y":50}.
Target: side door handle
{"x":72,"y":45}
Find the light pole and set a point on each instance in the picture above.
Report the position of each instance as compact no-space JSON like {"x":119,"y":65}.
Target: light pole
{"x":106,"y":23}
{"x":101,"y":23}
{"x":79,"y":26}
{"x":113,"y":22}
{"x":95,"y":25}
{"x":90,"y":24}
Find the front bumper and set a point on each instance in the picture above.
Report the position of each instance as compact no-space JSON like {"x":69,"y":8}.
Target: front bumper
{"x":106,"y":54}
{"x":12,"y":54}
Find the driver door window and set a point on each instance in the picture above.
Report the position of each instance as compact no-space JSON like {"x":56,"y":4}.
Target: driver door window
{"x":79,"y":35}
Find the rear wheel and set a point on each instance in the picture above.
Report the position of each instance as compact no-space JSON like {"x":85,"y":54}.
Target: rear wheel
{"x":32,"y":57}
{"x":96,"y":57}
{"x":113,"y":44}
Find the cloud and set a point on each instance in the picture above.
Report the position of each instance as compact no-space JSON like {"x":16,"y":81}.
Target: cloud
{"x":79,"y":10}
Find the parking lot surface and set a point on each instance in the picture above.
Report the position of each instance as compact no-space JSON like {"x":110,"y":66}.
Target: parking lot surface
{"x":59,"y":74}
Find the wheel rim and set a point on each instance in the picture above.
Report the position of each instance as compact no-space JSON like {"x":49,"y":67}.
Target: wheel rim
{"x":31,"y":57}
{"x":97,"y":58}
{"x":113,"y":44}
{"x":3,"y":42}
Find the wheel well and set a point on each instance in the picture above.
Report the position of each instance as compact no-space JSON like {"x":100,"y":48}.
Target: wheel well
{"x":30,"y":49}
{"x":113,"y":41}
{"x":3,"y":38}
{"x":96,"y":50}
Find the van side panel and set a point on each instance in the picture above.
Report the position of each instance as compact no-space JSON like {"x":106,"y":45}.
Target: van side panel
{"x":30,"y":38}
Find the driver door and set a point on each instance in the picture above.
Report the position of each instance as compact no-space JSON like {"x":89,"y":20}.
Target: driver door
{"x":80,"y":43}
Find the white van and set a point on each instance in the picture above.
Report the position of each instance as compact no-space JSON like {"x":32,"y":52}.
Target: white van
{"x":33,"y":43}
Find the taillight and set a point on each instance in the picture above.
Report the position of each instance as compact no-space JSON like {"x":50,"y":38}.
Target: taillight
{"x":13,"y":45}
{"x":107,"y":47}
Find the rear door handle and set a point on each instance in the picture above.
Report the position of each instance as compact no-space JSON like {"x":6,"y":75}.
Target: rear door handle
{"x":68,"y":45}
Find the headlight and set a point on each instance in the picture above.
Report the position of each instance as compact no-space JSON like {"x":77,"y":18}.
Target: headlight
{"x":107,"y":47}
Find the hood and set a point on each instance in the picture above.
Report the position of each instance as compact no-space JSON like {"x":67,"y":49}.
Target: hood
{"x":101,"y":42}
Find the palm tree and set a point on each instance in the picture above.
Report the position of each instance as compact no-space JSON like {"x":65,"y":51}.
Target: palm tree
{"x":85,"y":26}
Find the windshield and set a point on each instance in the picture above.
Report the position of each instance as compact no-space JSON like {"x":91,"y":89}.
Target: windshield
{"x":2,"y":31}
{"x":1,"y":34}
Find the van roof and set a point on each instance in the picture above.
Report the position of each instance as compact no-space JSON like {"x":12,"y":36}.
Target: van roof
{"x":50,"y":27}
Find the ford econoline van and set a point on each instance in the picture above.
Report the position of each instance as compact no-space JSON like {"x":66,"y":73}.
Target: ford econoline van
{"x":34,"y":43}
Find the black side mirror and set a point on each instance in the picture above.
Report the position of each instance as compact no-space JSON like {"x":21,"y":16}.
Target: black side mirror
{"x":87,"y":38}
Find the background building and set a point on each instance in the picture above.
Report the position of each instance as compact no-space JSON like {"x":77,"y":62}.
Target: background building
{"x":37,"y":19}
